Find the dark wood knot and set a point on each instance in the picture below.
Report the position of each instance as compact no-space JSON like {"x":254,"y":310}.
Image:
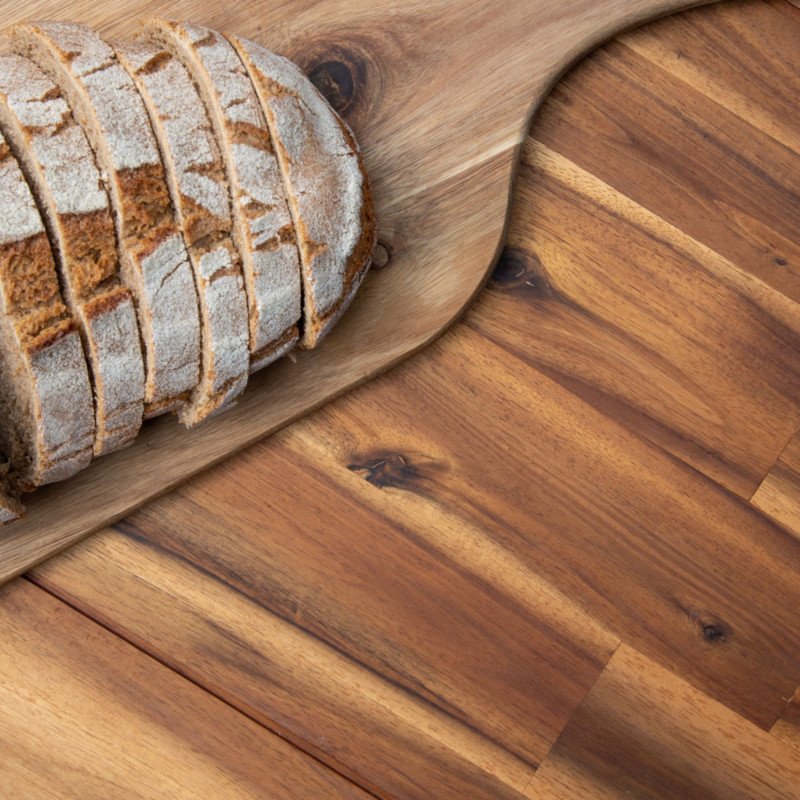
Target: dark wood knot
{"x":710,"y":627}
{"x":340,"y":74}
{"x":521,"y":272}
{"x":388,"y":469}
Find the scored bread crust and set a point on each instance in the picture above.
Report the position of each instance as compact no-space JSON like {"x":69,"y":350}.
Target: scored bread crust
{"x":196,"y":178}
{"x":59,"y":165}
{"x":153,"y":258}
{"x":263,"y":229}
{"x":46,"y":410}
{"x":326,"y":185}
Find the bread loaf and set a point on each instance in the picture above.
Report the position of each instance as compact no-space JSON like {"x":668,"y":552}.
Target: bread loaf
{"x":199,"y":190}
{"x":153,"y":258}
{"x":179,"y":212}
{"x":262,"y":229}
{"x":325,"y":183}
{"x":46,"y":411}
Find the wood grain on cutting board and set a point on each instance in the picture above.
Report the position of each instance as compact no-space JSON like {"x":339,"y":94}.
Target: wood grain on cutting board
{"x":527,"y":565}
{"x":439,"y":94}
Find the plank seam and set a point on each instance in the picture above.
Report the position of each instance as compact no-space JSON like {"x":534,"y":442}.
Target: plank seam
{"x":323,"y":764}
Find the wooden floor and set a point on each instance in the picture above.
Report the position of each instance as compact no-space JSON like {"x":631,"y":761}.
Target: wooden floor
{"x":557,"y":555}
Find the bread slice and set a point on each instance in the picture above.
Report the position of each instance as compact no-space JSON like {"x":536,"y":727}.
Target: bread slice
{"x":326,"y":185}
{"x":10,"y":507}
{"x":153,"y":259}
{"x":58,"y":163}
{"x":46,"y":410}
{"x":199,"y":190}
{"x":263,"y":230}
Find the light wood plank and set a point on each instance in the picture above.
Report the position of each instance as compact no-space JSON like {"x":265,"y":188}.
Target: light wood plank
{"x":642,"y":732}
{"x":82,"y":714}
{"x":644,"y":322}
{"x":439,"y":93}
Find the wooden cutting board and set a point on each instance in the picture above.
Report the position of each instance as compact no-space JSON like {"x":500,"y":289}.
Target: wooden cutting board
{"x":440,"y":94}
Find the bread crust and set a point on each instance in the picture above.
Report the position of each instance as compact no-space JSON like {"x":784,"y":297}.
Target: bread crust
{"x":10,"y":507}
{"x":152,"y":259}
{"x":326,"y":185}
{"x":262,"y":226}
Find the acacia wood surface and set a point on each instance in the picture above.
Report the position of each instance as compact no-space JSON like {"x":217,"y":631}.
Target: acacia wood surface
{"x":97,"y":719}
{"x":439,"y":93}
{"x":525,"y":563}
{"x":643,"y":732}
{"x":779,"y":492}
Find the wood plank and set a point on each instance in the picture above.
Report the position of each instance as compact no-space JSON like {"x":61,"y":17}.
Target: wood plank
{"x":83,"y":714}
{"x":439,"y":93}
{"x":779,"y":493}
{"x":731,"y":53}
{"x":643,"y":732}
{"x":386,"y":614}
{"x":665,"y":560}
{"x":684,"y":157}
{"x":282,"y":668}
{"x":644,"y":322}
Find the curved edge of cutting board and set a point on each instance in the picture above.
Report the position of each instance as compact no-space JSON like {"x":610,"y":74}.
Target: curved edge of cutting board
{"x":359,"y":349}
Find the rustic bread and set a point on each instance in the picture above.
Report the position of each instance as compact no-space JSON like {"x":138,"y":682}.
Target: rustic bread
{"x":10,"y":507}
{"x":46,"y":411}
{"x":59,"y":165}
{"x":326,"y":185}
{"x":200,"y":194}
{"x":263,"y":229}
{"x":153,"y":258}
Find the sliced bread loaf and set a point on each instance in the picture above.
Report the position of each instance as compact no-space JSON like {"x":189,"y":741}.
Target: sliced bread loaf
{"x":263,"y":229}
{"x":57,"y":160}
{"x":10,"y":508}
{"x":46,"y":411}
{"x":200,"y":194}
{"x":153,"y":258}
{"x":326,"y":185}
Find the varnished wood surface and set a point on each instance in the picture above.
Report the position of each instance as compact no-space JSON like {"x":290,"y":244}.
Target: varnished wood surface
{"x":438,"y":94}
{"x":98,"y":719}
{"x":526,"y":563}
{"x":779,"y":492}
{"x":639,"y":714}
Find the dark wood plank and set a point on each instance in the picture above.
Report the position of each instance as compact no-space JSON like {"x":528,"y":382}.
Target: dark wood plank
{"x":740,"y":55}
{"x":356,"y":636}
{"x":421,"y":583}
{"x":648,"y":325}
{"x":644,"y":733}
{"x":664,"y":559}
{"x":779,"y":493}
{"x":85,"y":715}
{"x":683,"y":156}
